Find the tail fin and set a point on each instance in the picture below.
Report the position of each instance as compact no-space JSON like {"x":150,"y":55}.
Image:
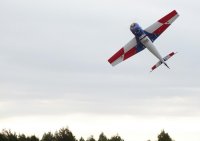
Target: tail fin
{"x":165,"y":59}
{"x":167,"y":65}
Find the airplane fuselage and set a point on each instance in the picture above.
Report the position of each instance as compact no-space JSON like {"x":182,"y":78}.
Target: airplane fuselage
{"x":144,"y":39}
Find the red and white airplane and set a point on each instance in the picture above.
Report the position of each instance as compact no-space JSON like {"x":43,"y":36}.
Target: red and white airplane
{"x":144,"y":39}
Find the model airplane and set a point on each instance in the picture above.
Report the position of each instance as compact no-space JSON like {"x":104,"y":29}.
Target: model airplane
{"x":144,"y":39}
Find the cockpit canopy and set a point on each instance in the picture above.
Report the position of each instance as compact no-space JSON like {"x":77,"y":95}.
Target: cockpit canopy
{"x":132,"y":25}
{"x":136,"y":29}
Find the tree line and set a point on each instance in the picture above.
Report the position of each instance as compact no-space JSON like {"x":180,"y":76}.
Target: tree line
{"x":64,"y":134}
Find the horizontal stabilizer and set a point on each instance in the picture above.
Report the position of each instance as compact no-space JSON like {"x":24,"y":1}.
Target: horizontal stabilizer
{"x":165,"y":59}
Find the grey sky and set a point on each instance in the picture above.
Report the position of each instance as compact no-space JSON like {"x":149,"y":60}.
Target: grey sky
{"x":53,"y":58}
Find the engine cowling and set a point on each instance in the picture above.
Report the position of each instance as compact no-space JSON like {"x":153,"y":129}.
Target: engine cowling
{"x":136,"y":30}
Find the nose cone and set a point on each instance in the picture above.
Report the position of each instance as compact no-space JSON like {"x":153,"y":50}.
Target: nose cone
{"x":136,"y":29}
{"x":132,"y":25}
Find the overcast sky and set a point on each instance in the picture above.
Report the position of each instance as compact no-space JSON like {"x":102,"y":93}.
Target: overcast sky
{"x":54,"y":71}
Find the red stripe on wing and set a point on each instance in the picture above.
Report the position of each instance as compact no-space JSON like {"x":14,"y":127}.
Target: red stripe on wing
{"x":161,"y":29}
{"x":130,"y":53}
{"x":116,"y":56}
{"x":171,"y":54}
{"x":153,"y":67}
{"x":168,"y":17}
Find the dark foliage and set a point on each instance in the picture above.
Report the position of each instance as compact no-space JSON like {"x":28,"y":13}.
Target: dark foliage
{"x":64,"y":134}
{"x":81,"y":139}
{"x":164,"y":136}
{"x":48,"y":137}
{"x":102,"y":137}
{"x":116,"y":138}
{"x":91,"y":138}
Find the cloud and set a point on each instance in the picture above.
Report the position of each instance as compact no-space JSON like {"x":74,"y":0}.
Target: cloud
{"x":53,"y":59}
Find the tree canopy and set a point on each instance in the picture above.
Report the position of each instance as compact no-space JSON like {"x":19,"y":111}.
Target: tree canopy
{"x":164,"y":136}
{"x":64,"y":134}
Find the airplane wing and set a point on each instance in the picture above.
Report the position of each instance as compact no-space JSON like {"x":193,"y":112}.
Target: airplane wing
{"x":156,"y":29}
{"x":130,"y":49}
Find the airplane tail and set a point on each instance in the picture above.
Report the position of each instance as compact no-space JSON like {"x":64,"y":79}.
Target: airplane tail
{"x":160,"y":62}
{"x":166,"y":65}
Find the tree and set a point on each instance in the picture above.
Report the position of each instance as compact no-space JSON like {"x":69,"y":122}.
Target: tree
{"x":91,"y":138}
{"x":8,"y":136}
{"x":22,"y":137}
{"x":164,"y":136}
{"x":34,"y":138}
{"x":48,"y":137}
{"x":2,"y":137}
{"x":116,"y":138}
{"x":64,"y":134}
{"x":102,"y":137}
{"x":81,"y":139}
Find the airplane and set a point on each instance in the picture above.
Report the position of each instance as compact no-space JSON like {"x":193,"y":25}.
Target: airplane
{"x":144,"y":39}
